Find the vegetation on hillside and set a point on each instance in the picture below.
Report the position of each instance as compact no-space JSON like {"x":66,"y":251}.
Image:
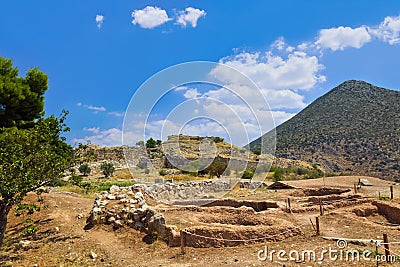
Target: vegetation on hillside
{"x":354,"y":128}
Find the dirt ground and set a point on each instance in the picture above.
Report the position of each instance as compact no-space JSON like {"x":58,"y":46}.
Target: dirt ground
{"x":63,"y":241}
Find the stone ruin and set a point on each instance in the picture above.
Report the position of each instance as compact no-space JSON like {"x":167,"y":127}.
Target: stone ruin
{"x":126,"y":206}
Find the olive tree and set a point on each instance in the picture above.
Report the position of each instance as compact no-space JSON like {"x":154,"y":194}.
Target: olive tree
{"x":84,"y":169}
{"x":29,"y":159}
{"x":108,"y":169}
{"x":33,"y":152}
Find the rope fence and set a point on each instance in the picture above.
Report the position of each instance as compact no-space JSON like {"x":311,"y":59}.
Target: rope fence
{"x":384,"y":245}
{"x":241,"y":240}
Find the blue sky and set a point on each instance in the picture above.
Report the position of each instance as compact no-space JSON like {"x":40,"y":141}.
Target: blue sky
{"x":98,"y":53}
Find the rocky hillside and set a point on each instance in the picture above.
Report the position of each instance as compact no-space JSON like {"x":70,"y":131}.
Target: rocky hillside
{"x":176,"y":146}
{"x":354,"y":128}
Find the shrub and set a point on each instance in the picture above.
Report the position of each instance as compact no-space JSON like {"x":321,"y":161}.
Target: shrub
{"x":30,"y":230}
{"x":278,"y":175}
{"x":84,"y":169}
{"x":216,"y":168}
{"x":302,"y":171}
{"x":162,"y":172}
{"x":108,"y":169}
{"x":384,"y":198}
{"x":218,"y":139}
{"x":247,"y":174}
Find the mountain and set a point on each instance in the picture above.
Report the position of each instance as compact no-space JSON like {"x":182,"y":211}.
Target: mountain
{"x":354,"y":128}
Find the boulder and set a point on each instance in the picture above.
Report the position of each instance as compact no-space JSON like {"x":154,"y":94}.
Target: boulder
{"x":156,"y":225}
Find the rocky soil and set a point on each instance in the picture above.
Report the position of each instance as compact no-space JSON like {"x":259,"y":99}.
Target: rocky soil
{"x":64,"y":239}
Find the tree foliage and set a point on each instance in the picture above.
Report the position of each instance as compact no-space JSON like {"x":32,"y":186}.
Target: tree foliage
{"x":21,"y":98}
{"x":33,"y":152}
{"x":216,"y":168}
{"x":278,"y":175}
{"x":84,"y":169}
{"x":29,"y":159}
{"x":248,"y":174}
{"x":107,"y":168}
{"x":151,"y":143}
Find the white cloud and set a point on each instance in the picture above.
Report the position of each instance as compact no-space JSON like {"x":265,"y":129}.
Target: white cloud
{"x":284,"y":99}
{"x":92,"y":130}
{"x":190,"y":16}
{"x":279,"y":44}
{"x":150,"y":17}
{"x":180,"y":88}
{"x":191,"y":93}
{"x":303,"y":46}
{"x":94,"y":108}
{"x":280,"y":79}
{"x":388,"y":30}
{"x":343,"y":37}
{"x":99,"y":20}
{"x":116,"y":113}
{"x":281,"y":116}
{"x":109,"y":137}
{"x":268,"y":71}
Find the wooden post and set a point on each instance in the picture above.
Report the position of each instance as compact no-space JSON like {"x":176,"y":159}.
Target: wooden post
{"x":321,"y":208}
{"x":312,"y":224}
{"x":355,"y":188}
{"x":386,"y":245}
{"x":289,"y":208}
{"x":183,"y":242}
{"x":317,"y":224}
{"x":391,"y":192}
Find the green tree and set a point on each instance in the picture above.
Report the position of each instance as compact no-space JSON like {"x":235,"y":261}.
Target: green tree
{"x":278,"y":175}
{"x":140,"y":143}
{"x":33,"y":152}
{"x":108,"y":169}
{"x":151,"y":143}
{"x":29,"y":159}
{"x":247,"y":174}
{"x":216,"y":168}
{"x":84,"y":169}
{"x":21,"y":98}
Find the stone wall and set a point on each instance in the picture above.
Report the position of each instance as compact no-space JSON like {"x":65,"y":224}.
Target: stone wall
{"x":126,"y":206}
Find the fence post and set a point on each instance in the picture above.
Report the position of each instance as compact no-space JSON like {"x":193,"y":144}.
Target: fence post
{"x":321,"y":208}
{"x":183,"y":241}
{"x":355,"y":188}
{"x":289,"y":208}
{"x":317,"y":224}
{"x":391,"y":192}
{"x":386,"y":245}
